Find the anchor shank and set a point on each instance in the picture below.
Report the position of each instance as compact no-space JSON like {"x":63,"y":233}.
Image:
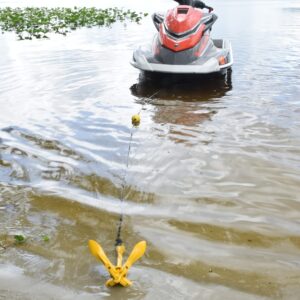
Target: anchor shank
{"x":120,"y":252}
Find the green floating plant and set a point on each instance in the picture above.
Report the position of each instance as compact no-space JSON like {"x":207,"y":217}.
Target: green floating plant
{"x":32,"y":22}
{"x":45,"y":238}
{"x":19,"y":239}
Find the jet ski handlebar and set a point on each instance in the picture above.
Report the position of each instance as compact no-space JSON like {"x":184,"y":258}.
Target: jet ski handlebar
{"x":195,"y":3}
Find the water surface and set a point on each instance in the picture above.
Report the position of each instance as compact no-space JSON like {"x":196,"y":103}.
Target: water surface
{"x":214,"y":173}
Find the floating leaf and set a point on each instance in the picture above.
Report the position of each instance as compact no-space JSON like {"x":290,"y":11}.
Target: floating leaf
{"x":19,"y":239}
{"x":45,"y":238}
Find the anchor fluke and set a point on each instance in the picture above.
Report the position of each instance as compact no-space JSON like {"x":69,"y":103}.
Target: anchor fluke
{"x":118,"y":273}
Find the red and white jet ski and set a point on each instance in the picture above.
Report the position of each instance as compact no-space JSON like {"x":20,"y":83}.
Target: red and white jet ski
{"x":183,"y":45}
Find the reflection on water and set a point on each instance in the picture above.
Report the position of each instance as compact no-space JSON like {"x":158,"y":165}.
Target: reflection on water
{"x":179,"y":93}
{"x":184,"y":101}
{"x":188,"y":88}
{"x":213,"y":182}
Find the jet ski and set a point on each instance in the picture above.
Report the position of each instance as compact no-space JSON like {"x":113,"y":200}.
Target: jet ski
{"x":182,"y":45}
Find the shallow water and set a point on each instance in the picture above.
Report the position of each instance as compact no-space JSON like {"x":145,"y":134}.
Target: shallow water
{"x":214,"y":173}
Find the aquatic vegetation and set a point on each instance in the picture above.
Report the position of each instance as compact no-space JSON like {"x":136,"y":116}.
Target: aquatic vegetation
{"x":45,"y":238}
{"x":11,"y":240}
{"x":19,"y":239}
{"x":32,"y":22}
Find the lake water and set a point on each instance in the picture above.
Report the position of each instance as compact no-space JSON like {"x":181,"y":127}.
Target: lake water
{"x":213,"y":184}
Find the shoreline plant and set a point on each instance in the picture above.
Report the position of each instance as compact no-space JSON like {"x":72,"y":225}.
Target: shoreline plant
{"x":32,"y":22}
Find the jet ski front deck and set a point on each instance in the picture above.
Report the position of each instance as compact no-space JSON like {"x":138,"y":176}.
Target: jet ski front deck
{"x":144,"y":60}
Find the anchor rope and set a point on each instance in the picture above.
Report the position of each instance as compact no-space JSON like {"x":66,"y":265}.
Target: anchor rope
{"x":119,"y":240}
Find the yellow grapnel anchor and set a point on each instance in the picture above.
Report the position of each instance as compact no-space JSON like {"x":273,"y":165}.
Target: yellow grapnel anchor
{"x":118,"y":273}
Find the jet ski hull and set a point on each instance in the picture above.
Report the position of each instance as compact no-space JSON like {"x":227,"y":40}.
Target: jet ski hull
{"x":174,"y":62}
